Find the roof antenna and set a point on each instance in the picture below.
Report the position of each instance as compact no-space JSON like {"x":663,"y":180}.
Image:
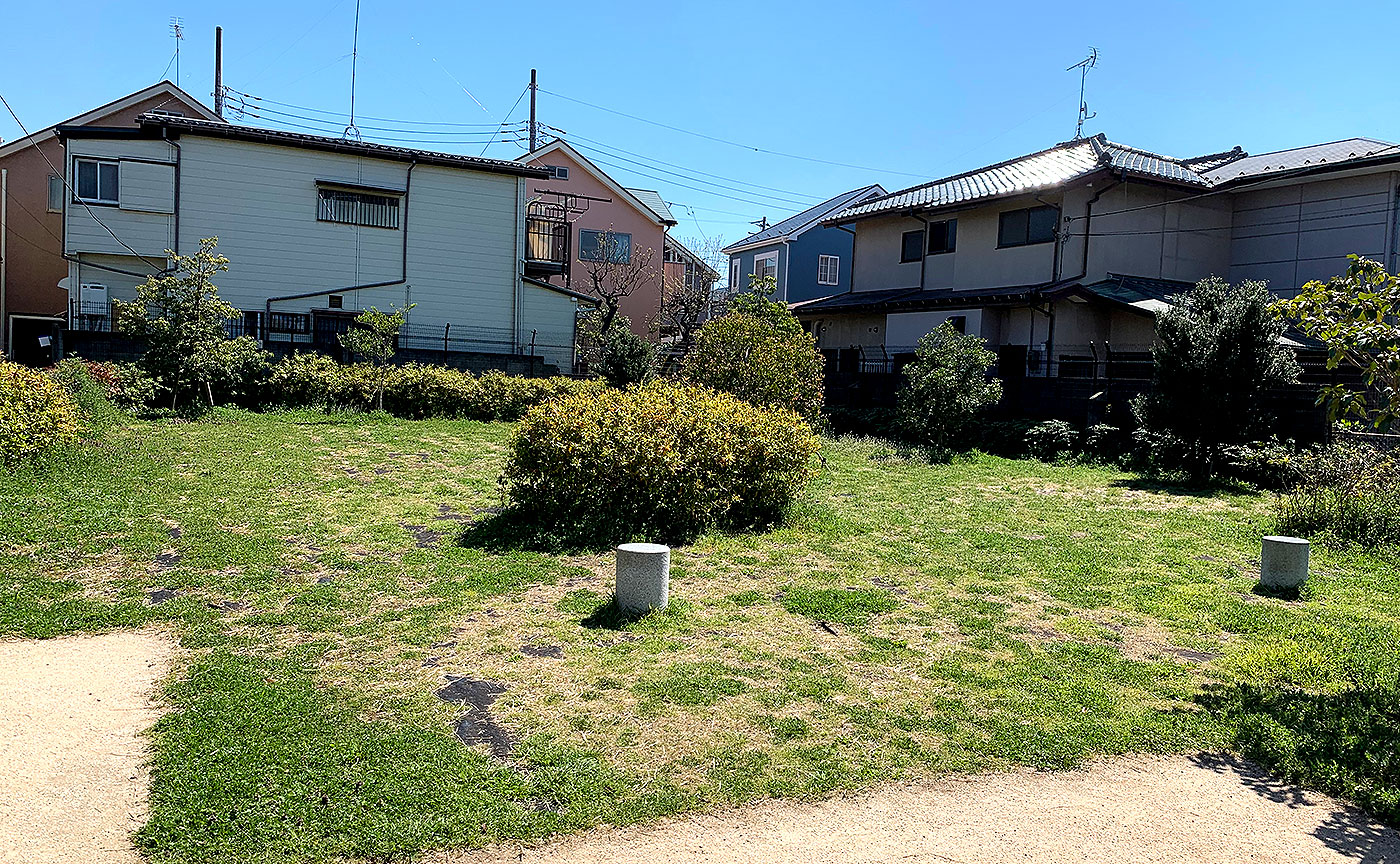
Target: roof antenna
{"x":177,"y":29}
{"x":1084,"y":66}
{"x":760,"y":224}
{"x":353,"y":131}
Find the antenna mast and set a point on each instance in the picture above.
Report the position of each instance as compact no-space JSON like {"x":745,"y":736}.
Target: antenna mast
{"x":219,"y":72}
{"x":1084,"y":66}
{"x":353,"y":131}
{"x":177,"y":29}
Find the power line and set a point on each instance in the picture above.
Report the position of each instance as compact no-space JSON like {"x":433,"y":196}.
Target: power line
{"x":775,"y":198}
{"x":505,"y":121}
{"x":693,"y":170}
{"x":731,"y":143}
{"x":750,"y":202}
{"x":318,"y":22}
{"x":64,"y":176}
{"x":339,"y":114}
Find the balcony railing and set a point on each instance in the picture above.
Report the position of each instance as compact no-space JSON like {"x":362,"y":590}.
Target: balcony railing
{"x":547,"y":241}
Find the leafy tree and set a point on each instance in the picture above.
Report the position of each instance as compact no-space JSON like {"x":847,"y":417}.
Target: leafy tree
{"x":1217,"y":354}
{"x":1357,"y":316}
{"x":759,"y":352}
{"x":615,"y":271}
{"x":181,"y":319}
{"x":374,"y":337}
{"x":947,"y":385}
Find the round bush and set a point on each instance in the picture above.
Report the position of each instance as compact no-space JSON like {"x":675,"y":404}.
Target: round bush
{"x":766,"y":359}
{"x":36,"y":413}
{"x":660,"y":462}
{"x":418,"y":392}
{"x":1052,"y":440}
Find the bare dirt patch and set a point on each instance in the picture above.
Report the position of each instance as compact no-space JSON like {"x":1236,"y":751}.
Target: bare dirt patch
{"x":1204,"y":808}
{"x":72,"y":760}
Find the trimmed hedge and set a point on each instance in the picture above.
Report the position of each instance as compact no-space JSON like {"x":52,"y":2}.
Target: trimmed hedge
{"x":661,"y":462}
{"x":413,"y":391}
{"x":36,"y":413}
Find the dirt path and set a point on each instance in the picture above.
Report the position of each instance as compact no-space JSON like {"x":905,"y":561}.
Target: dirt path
{"x":72,"y":781}
{"x":1141,"y":809}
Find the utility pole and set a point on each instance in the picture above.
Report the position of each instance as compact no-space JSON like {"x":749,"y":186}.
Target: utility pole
{"x":1084,"y":66}
{"x":219,"y":72}
{"x":533,"y":133}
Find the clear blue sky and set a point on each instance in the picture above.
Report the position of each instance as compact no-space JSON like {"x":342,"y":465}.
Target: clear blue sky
{"x":912,"y":90}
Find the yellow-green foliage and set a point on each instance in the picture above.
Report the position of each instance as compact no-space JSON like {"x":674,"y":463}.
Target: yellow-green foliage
{"x":36,"y":413}
{"x":660,"y":462}
{"x":766,"y":359}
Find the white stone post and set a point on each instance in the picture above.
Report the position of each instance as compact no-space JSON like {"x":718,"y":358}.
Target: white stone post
{"x":1283,"y":562}
{"x":643,"y":577}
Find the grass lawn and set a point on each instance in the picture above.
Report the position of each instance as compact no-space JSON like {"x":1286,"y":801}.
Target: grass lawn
{"x":909,"y":620}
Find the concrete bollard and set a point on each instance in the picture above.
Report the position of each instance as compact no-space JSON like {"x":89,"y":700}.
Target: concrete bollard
{"x":643,"y":577}
{"x":1283,"y":562}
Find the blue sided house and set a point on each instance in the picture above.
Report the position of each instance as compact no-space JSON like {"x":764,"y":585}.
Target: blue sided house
{"x":807,"y":259}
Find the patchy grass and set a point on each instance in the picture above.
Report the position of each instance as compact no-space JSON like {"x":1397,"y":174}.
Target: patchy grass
{"x":908,"y":620}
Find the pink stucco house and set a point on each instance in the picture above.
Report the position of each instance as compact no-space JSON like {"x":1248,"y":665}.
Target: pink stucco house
{"x":589,"y":202}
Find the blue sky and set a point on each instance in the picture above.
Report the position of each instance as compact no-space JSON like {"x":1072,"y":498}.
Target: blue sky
{"x":905,"y":91}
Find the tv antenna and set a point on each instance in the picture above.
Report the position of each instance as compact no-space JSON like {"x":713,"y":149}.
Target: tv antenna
{"x":760,"y":224}
{"x":177,"y":29}
{"x":353,"y":131}
{"x":1084,"y":66}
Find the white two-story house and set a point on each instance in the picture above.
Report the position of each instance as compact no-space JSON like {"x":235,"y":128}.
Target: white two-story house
{"x":1061,"y":258}
{"x":316,"y":229}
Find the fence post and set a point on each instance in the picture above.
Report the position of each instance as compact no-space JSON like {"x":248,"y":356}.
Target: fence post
{"x":446,"y":328}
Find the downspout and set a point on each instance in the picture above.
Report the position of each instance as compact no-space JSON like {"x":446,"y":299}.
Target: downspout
{"x":1393,"y":229}
{"x":923,"y":255}
{"x":1049,"y":311}
{"x":521,"y":209}
{"x":787,"y":266}
{"x":165,"y":133}
{"x":325,"y":292}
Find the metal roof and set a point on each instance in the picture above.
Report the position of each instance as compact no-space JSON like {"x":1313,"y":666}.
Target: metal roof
{"x":151,"y":123}
{"x":654,"y":202}
{"x":794,"y":224}
{"x":1046,"y":169}
{"x":1311,"y":156}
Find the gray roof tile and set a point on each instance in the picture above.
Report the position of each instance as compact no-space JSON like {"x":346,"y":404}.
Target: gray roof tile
{"x":654,"y":202}
{"x":1047,"y":169}
{"x":1302,"y":157}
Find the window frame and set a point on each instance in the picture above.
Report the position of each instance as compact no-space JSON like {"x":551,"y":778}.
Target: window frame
{"x":558,"y":172}
{"x":391,"y":202}
{"x":835,"y":265}
{"x":114,"y":164}
{"x":55,"y":202}
{"x":765,"y":256}
{"x":735,"y":266}
{"x":289,"y":323}
{"x":904,"y":257}
{"x":950,"y":237}
{"x":1027,"y":211}
{"x":595,"y":257}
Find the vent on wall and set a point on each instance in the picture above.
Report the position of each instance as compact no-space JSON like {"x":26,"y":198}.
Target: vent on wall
{"x":558,"y":172}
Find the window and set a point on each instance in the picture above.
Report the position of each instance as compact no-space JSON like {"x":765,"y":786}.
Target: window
{"x":1024,"y":227}
{"x":558,"y":172}
{"x":959,"y":322}
{"x":828,"y":269}
{"x":591,"y":243}
{"x":942,"y":236}
{"x":289,"y":322}
{"x":357,"y":208}
{"x":734,"y":273}
{"x":55,"y":193}
{"x":97,"y":181}
{"x":765,"y":265}
{"x":336,"y":301}
{"x":912,"y":248}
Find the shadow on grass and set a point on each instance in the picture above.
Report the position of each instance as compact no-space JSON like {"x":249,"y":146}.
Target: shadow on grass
{"x":1183,"y":487}
{"x":1343,"y":742}
{"x":1288,"y":595}
{"x":514,"y":530}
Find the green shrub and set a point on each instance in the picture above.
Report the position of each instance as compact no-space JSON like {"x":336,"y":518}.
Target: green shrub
{"x":761,"y":354}
{"x":36,"y":413}
{"x":1000,"y":437}
{"x":1052,"y":440}
{"x":1217,"y":355}
{"x":1271,"y":464}
{"x":1348,"y":492}
{"x":124,"y":385}
{"x":1104,"y":443}
{"x":76,"y":377}
{"x":623,"y":357}
{"x":417,"y":392}
{"x":948,"y":385}
{"x":508,"y":397}
{"x":301,"y":380}
{"x":661,"y":462}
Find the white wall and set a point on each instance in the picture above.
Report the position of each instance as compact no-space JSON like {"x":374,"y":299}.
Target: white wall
{"x":904,"y":329}
{"x":149,"y":233}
